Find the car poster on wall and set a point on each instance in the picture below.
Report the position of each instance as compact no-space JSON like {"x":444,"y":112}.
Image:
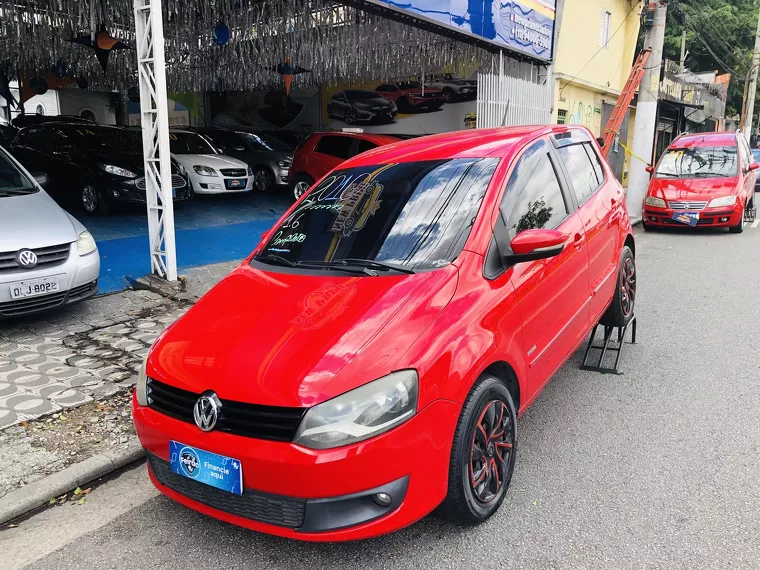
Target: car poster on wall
{"x":524,"y":26}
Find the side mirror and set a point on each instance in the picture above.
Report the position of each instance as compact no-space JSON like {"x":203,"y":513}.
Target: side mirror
{"x":650,"y":169}
{"x":41,"y":178}
{"x":600,"y":140}
{"x":753,"y":166}
{"x":530,"y":245}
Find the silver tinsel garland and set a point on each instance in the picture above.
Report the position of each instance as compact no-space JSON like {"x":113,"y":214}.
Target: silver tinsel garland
{"x":335,"y":42}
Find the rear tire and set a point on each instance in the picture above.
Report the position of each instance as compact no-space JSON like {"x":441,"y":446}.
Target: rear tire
{"x":738,"y":228}
{"x":482,"y":454}
{"x":301,"y":183}
{"x":620,"y":311}
{"x":263,"y":179}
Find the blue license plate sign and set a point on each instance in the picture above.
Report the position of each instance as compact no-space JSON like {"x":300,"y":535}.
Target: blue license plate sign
{"x":688,"y":218}
{"x":219,"y":471}
{"x":236,"y":183}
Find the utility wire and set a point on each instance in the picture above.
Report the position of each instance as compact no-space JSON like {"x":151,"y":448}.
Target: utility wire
{"x":636,"y":5}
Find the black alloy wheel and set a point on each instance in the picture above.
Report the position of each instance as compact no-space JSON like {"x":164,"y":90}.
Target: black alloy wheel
{"x":263,"y":179}
{"x":448,"y":94}
{"x":483,"y":453}
{"x":350,"y":119}
{"x":93,"y":202}
{"x":620,"y":311}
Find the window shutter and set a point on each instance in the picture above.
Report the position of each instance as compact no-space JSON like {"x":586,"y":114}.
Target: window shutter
{"x":604,"y":28}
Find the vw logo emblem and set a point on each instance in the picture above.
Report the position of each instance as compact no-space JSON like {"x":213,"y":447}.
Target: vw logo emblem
{"x":26,"y":258}
{"x":206,"y":411}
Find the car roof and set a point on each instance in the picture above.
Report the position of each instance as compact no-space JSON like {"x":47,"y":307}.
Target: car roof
{"x":470,"y":143}
{"x":704,"y":139}
{"x":374,"y":137}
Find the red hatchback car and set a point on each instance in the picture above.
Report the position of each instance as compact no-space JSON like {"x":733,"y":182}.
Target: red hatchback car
{"x":410,"y":96}
{"x":368,"y":362}
{"x":702,"y":180}
{"x":321,"y":152}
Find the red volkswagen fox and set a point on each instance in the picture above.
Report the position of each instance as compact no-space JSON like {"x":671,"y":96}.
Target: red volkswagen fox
{"x":702,"y":180}
{"x":368,"y":362}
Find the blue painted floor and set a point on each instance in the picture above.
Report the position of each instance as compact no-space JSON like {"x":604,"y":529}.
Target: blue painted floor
{"x":210,"y":229}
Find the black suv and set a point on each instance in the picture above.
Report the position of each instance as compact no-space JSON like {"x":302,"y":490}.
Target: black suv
{"x":93,"y":166}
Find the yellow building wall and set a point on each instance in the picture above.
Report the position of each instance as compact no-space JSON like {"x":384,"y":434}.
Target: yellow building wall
{"x":578,"y":44}
{"x":582,"y":106}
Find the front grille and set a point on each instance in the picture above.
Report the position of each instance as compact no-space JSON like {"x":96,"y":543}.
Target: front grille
{"x":234,"y":172}
{"x":249,"y":420}
{"x":177,"y":182}
{"x":46,"y":257}
{"x":700,"y":222}
{"x":687,"y":205}
{"x":24,"y":306}
{"x":82,"y":290}
{"x":252,"y":505}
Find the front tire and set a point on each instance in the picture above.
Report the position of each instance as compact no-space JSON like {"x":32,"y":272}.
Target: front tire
{"x":93,"y":201}
{"x":263,"y":179}
{"x":301,"y":183}
{"x":482,"y":455}
{"x":620,"y":311}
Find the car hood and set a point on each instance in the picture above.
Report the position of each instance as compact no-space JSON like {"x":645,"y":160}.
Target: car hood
{"x":211,"y":160}
{"x":286,"y":339}
{"x":692,"y":188}
{"x":33,"y":220}
{"x":377,"y":101}
{"x":130,"y":160}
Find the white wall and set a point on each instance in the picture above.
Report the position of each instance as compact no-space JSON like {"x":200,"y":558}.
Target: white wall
{"x":48,"y":101}
{"x":74,"y":101}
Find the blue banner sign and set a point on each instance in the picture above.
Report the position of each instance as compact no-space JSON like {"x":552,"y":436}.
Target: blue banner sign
{"x":219,"y":471}
{"x":524,"y":26}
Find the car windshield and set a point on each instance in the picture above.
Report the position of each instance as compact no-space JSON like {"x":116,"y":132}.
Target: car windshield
{"x":410,"y":85}
{"x":268,"y":141}
{"x":13,"y":182}
{"x":360,"y":95}
{"x":93,"y":137}
{"x":412,"y":216}
{"x":189,"y":143}
{"x":699,"y":162}
{"x":756,"y":154}
{"x":288,"y":138}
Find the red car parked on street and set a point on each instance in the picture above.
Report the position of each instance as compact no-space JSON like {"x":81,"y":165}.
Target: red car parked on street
{"x":321,"y":152}
{"x":702,"y":180}
{"x":368,"y":362}
{"x":410,"y":96}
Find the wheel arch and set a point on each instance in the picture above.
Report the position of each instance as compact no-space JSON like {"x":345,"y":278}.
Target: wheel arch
{"x":506,"y":373}
{"x":630,"y":242}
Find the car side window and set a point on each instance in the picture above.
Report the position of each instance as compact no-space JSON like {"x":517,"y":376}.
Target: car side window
{"x":583,"y":176}
{"x":365,"y":145}
{"x":745,"y":153}
{"x":339,"y":147}
{"x":533,"y":199}
{"x":596,"y":162}
{"x":33,"y":138}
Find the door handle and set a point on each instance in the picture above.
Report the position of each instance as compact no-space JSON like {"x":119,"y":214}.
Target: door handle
{"x":578,"y":241}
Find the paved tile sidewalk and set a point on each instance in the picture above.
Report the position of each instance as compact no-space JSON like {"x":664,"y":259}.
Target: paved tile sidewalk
{"x":87,"y":351}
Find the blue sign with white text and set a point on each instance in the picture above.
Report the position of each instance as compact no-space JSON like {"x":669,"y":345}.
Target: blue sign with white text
{"x":525,"y":26}
{"x":219,"y":471}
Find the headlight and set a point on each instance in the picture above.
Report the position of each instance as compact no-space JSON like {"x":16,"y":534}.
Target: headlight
{"x":656,"y":202}
{"x":204,"y":170}
{"x":284,"y":163}
{"x":182,"y":169}
{"x":250,"y":171}
{"x":722,"y":201}
{"x":141,"y":389}
{"x":362,"y":413}
{"x":118,"y":171}
{"x":86,"y":243}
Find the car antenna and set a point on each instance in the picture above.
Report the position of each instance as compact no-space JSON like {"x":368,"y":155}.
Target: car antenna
{"x":423,"y":130}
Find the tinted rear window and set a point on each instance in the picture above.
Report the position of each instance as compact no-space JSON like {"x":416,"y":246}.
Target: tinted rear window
{"x":339,"y":147}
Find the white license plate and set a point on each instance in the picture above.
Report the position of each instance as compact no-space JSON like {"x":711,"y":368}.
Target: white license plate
{"x":34,"y":287}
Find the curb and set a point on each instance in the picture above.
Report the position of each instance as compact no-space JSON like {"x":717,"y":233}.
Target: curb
{"x":37,"y":494}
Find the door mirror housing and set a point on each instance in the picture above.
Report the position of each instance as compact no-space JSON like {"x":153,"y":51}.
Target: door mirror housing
{"x":753,"y":166}
{"x":650,"y":169}
{"x":41,"y":178}
{"x":531,"y":245}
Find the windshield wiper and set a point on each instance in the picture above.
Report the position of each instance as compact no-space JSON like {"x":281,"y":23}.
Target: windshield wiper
{"x":276,"y":259}
{"x":374,"y":265}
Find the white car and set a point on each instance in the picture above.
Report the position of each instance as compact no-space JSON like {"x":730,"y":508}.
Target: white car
{"x":209,"y":171}
{"x":454,"y":88}
{"x":47,"y":258}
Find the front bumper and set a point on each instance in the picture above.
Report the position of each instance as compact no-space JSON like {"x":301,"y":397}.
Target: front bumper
{"x":77,"y":276}
{"x":427,"y":102}
{"x":122,"y":190}
{"x":708,"y":217}
{"x":218,"y":184}
{"x":367,"y":116}
{"x":315,"y":495}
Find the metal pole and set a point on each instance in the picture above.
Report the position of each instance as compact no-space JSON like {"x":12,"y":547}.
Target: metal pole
{"x":646,"y":113}
{"x":154,"y":115}
{"x":752,"y":89}
{"x":683,"y":50}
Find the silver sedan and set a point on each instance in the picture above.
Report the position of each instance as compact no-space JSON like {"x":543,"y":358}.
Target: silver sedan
{"x":47,"y":258}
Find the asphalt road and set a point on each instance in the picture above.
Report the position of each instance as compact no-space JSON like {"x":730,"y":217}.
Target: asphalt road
{"x":657,"y":468}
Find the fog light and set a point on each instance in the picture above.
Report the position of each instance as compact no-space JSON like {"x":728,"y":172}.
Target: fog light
{"x":652,"y":219}
{"x":115,"y":193}
{"x":382,"y":499}
{"x":724,"y":219}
